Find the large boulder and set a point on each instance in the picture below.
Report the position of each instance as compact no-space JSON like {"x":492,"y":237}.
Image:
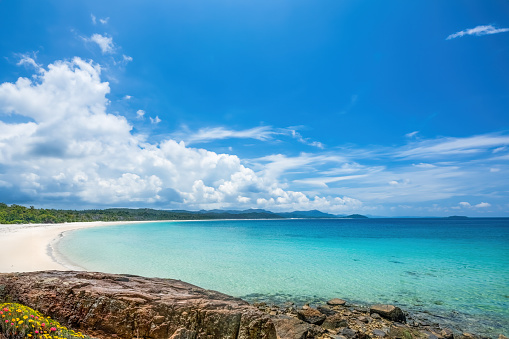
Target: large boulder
{"x":390,"y":312}
{"x":311,"y":315}
{"x":292,"y":328}
{"x":126,"y":306}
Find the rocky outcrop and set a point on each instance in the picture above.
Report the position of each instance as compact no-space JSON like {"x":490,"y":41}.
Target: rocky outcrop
{"x":389,"y":312}
{"x":126,"y":306}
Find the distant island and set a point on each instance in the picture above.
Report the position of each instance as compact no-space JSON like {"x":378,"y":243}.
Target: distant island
{"x":17,"y":214}
{"x":457,"y":217}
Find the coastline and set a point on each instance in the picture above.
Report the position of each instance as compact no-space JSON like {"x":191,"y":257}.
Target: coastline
{"x":35,"y":250}
{"x":33,"y":245}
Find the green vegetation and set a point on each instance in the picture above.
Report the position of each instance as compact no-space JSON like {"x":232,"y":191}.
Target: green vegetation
{"x":19,"y":321}
{"x":16,"y":214}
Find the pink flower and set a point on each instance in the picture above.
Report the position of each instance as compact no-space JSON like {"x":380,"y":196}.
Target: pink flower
{"x":43,"y":324}
{"x":36,"y":332}
{"x":7,"y":321}
{"x":53,"y":329}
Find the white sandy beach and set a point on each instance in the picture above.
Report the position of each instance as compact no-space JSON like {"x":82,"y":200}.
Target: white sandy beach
{"x":26,"y":248}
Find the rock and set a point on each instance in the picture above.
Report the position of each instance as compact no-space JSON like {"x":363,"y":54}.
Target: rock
{"x":109,"y":305}
{"x":326,"y":310}
{"x":335,"y":321}
{"x":312,"y":316}
{"x":389,"y":312}
{"x":364,"y":319}
{"x":448,"y":334}
{"x":375,"y":316}
{"x":336,"y":302}
{"x":378,"y":333}
{"x":501,"y":336}
{"x":291,"y":328}
{"x":349,"y":333}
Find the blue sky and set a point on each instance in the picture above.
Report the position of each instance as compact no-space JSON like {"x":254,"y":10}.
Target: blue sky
{"x":389,"y":108}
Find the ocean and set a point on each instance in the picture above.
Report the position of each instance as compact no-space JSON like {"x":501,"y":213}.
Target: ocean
{"x":457,"y":270}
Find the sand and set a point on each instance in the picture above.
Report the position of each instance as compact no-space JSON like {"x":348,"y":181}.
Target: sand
{"x":28,"y":248}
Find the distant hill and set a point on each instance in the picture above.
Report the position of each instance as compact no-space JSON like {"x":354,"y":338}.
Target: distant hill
{"x":356,"y":216}
{"x":457,"y":217}
{"x":16,"y":214}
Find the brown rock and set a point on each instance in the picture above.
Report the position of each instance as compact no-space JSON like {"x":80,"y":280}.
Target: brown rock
{"x":326,"y":310}
{"x":364,"y":319}
{"x":312,"y":316}
{"x":104,"y":305}
{"x":448,"y":334}
{"x":336,"y":302}
{"x":389,"y":312}
{"x":334,"y":322}
{"x":291,"y":328}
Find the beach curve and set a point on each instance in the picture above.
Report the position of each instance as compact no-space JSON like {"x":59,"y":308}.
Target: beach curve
{"x":30,"y":247}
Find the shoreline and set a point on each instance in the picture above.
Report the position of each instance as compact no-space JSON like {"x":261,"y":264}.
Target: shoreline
{"x":33,"y":246}
{"x":34,"y":249}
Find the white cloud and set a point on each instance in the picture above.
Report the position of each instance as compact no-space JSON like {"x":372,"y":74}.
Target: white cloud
{"x":140,"y":114}
{"x":75,"y":152}
{"x":127,"y":97}
{"x":412,"y":134}
{"x":205,"y":135}
{"x":483,"y":205}
{"x":453,"y":146}
{"x":104,"y":42}
{"x":262,"y":133}
{"x":103,"y":21}
{"x":70,"y":149}
{"x":305,"y":141}
{"x":424,"y":165}
{"x":478,"y":31}
{"x":155,"y":120}
{"x":29,"y":61}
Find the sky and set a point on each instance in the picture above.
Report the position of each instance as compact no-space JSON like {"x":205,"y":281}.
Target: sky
{"x":383,"y":108}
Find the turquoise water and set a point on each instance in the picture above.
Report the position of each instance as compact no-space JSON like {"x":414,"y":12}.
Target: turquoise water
{"x":458,"y":269}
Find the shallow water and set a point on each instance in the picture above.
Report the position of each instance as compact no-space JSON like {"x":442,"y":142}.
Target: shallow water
{"x":458,"y":269}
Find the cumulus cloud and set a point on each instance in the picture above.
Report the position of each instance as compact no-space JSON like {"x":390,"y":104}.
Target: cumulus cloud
{"x":479,"y":205}
{"x":478,"y":31}
{"x":483,"y":205}
{"x":155,"y":120}
{"x":104,"y":42}
{"x":412,"y":134}
{"x":73,"y":151}
{"x":140,"y":114}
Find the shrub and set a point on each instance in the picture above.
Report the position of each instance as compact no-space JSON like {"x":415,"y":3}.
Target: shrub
{"x":19,"y":321}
